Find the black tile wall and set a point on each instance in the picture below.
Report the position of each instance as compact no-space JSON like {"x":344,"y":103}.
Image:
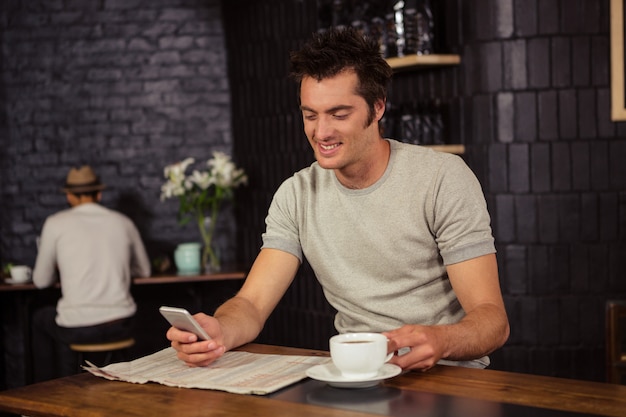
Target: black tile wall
{"x":538,"y":55}
{"x":526,"y":218}
{"x":128,"y":87}
{"x":547,"y":107}
{"x":547,"y":14}
{"x":518,"y":166}
{"x":580,"y":165}
{"x":525,"y":17}
{"x":525,"y":116}
{"x":566,"y":214}
{"x":568,"y":114}
{"x":581,"y":63}
{"x":498,"y":170}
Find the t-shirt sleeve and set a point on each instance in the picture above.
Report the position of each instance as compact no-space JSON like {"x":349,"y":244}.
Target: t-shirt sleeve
{"x":281,"y":224}
{"x":462,"y":223}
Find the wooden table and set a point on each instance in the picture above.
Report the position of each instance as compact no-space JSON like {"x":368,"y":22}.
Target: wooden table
{"x":440,"y":392}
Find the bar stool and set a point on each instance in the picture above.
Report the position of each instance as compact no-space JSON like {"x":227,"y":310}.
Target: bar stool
{"x":108,"y":348}
{"x":616,"y":342}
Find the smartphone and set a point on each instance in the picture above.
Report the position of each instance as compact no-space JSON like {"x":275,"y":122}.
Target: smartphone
{"x":181,"y":319}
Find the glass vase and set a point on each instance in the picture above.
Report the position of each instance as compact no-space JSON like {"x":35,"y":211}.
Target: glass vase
{"x":210,"y":254}
{"x":210,"y":259}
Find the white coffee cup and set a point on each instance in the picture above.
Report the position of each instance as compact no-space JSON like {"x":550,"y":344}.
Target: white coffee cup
{"x":359,"y":355}
{"x":21,"y":273}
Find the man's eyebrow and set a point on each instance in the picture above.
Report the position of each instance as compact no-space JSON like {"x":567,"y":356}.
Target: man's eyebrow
{"x":329,"y":111}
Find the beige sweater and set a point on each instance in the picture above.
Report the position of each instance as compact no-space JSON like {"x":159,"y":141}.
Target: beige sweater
{"x":96,"y":251}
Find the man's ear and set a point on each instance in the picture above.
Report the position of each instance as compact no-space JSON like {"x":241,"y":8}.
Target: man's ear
{"x":379,"y":108}
{"x":71,"y":199}
{"x":99,"y":196}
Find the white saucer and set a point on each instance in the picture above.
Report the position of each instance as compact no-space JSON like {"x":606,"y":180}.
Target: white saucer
{"x":329,"y":373}
{"x":12,"y":282}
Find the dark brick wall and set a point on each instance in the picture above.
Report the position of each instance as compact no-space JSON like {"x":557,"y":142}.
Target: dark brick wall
{"x":125,"y":86}
{"x":122,"y":86}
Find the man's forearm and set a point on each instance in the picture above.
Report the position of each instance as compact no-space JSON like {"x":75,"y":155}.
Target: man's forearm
{"x":241,"y":323}
{"x":479,"y":333}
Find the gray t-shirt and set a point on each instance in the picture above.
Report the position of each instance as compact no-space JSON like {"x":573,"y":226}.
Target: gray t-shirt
{"x":380,"y":253}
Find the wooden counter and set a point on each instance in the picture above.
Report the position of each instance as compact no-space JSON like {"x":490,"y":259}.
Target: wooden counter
{"x":18,"y":300}
{"x":226,"y":274}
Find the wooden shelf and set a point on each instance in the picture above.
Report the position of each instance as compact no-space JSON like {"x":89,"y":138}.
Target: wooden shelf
{"x":457,"y":149}
{"x":431,"y":60}
{"x":416,"y":61}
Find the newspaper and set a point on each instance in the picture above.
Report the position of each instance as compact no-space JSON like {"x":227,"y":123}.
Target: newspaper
{"x":236,"y":372}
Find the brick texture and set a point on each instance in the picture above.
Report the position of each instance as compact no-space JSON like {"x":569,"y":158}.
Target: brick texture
{"x":125,"y":88}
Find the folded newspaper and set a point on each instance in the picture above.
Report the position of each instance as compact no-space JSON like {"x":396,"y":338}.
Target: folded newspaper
{"x":237,"y":372}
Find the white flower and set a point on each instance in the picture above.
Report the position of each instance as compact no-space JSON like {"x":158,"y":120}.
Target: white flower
{"x":201,"y":179}
{"x":176,"y":172}
{"x":176,"y":182}
{"x":171,"y":189}
{"x":222,"y":174}
{"x":201,"y":194}
{"x":225,"y":172}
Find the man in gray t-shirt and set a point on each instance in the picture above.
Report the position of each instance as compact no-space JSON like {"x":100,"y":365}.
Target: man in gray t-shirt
{"x":397,"y":235}
{"x":373,"y":249}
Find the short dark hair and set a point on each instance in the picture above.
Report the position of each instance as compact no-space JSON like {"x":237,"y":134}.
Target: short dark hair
{"x":336,"y":50}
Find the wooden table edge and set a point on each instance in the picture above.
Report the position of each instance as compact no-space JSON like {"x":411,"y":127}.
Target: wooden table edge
{"x":578,"y":396}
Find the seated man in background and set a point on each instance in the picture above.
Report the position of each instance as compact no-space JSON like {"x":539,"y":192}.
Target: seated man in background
{"x":96,"y":252}
{"x":398,"y":235}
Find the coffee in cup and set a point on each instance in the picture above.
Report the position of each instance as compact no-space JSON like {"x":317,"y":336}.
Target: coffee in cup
{"x":359,"y":355}
{"x":21,"y":273}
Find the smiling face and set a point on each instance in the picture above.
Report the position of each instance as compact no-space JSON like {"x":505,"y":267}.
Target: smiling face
{"x":336,"y":124}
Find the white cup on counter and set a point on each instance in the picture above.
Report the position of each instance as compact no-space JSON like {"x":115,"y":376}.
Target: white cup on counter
{"x":21,"y":273}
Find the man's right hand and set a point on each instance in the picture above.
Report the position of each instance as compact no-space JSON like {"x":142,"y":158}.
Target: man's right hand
{"x":240,"y":319}
{"x":197,"y":353}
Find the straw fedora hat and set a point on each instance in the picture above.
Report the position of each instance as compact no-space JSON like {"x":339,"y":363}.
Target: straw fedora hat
{"x":82,"y":180}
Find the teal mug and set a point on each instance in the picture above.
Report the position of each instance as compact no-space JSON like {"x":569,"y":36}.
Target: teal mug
{"x":187,"y":258}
